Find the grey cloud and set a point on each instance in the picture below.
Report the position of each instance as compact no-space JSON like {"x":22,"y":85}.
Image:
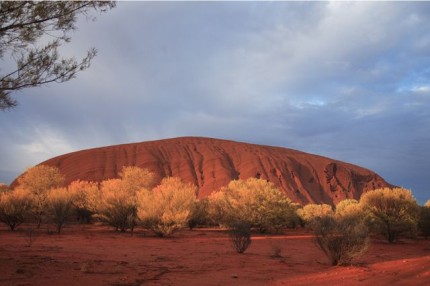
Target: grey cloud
{"x":344,"y":80}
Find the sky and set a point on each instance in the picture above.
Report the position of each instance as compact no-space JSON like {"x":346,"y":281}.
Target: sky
{"x":345,"y":80}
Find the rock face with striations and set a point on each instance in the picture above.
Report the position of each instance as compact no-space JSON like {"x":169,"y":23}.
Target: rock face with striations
{"x":212,"y":163}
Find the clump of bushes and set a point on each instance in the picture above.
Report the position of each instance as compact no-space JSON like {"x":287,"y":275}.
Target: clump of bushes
{"x":341,"y":233}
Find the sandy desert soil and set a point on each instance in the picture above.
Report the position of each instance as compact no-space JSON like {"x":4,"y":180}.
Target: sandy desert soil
{"x":96,"y":255}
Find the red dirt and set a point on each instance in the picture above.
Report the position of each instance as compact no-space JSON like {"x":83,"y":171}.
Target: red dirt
{"x":95,"y":255}
{"x":212,"y":163}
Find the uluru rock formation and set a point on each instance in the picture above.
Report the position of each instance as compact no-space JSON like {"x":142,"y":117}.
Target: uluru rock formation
{"x":212,"y":163}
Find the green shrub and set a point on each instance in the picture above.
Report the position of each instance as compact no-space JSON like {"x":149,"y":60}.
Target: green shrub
{"x":341,"y":238}
{"x":392,"y":212}
{"x":240,"y":235}
{"x":424,"y":220}
{"x":199,"y":214}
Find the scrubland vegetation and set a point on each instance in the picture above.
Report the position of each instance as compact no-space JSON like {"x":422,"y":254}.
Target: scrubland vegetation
{"x":342,"y":232}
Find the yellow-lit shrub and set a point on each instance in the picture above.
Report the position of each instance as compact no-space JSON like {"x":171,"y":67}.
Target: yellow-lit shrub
{"x":167,"y":207}
{"x":14,"y":207}
{"x":310,"y":212}
{"x":118,"y":202}
{"x":117,"y":207}
{"x":86,"y":196}
{"x":38,"y":181}
{"x":255,"y":201}
{"x":59,"y":207}
{"x":350,"y":208}
{"x":393,"y":211}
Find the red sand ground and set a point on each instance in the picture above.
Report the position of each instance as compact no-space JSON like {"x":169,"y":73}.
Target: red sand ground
{"x":96,"y":255}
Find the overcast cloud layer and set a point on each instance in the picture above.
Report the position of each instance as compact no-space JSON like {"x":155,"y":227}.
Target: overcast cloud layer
{"x":350,"y":81}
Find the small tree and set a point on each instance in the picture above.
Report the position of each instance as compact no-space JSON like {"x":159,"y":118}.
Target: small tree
{"x":59,"y":207}
{"x":424,"y":221}
{"x":25,"y":27}
{"x":341,"y":238}
{"x":167,"y":207}
{"x":14,"y":207}
{"x":116,"y":206}
{"x":118,"y":202}
{"x":240,"y":235}
{"x":393,"y":211}
{"x":38,"y":181}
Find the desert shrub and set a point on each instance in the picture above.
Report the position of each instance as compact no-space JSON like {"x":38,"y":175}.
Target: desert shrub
{"x":341,"y":238}
{"x":276,"y":250}
{"x":118,"y":201}
{"x":85,"y":199}
{"x":14,"y":207}
{"x":167,"y":207}
{"x":255,"y":201}
{"x":116,"y":207}
{"x":310,"y":212}
{"x":38,"y":181}
{"x":424,"y":220}
{"x":59,"y":207}
{"x":199,"y":214}
{"x":393,"y":212}
{"x":240,"y":235}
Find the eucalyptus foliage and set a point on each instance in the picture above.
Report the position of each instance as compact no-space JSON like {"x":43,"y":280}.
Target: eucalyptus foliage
{"x":31,"y":33}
